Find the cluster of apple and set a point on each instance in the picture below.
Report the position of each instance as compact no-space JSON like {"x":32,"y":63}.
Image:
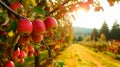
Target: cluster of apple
{"x":19,"y":55}
{"x":29,"y":31}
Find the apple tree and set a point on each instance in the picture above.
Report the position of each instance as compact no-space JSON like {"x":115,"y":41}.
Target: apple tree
{"x":32,"y":31}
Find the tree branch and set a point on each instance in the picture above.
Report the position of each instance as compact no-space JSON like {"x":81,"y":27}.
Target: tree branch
{"x":49,"y":51}
{"x":14,"y":42}
{"x":57,"y":7}
{"x":9,"y":9}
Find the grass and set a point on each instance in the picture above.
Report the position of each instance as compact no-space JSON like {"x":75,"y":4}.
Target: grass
{"x":80,"y":56}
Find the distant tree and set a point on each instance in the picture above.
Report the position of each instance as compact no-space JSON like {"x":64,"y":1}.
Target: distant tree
{"x":102,"y":37}
{"x":115,"y":31}
{"x":79,"y":38}
{"x":105,"y":30}
{"x":94,"y":34}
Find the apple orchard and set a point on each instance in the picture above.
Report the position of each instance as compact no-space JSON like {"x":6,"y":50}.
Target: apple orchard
{"x":33,"y":32}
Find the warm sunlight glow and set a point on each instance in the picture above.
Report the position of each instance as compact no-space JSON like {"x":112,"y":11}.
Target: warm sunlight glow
{"x":93,"y":19}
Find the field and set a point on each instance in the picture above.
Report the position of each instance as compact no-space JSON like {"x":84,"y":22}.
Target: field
{"x":77,"y":55}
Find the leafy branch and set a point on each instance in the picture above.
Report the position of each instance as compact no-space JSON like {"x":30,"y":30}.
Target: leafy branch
{"x":58,"y":7}
{"x":49,"y":51}
{"x":9,"y":9}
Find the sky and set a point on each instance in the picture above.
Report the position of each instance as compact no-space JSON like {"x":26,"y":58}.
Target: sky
{"x":93,"y":19}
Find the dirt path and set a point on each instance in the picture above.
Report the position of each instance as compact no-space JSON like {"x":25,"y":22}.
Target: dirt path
{"x":79,"y":56}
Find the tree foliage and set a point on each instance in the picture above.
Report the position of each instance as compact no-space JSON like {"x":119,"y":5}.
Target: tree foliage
{"x":94,"y":34}
{"x":105,"y":30}
{"x":115,"y":31}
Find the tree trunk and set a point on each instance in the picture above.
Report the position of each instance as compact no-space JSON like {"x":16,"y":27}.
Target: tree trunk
{"x":37,"y":61}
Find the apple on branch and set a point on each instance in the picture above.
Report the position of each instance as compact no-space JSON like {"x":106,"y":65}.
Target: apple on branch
{"x":17,"y":7}
{"x":38,"y":27}
{"x":50,"y":23}
{"x":24,"y":27}
{"x":37,"y":39}
{"x":8,"y":64}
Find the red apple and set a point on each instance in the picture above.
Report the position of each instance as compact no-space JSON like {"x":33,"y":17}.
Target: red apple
{"x":73,"y":8}
{"x":98,"y":8}
{"x":84,"y":6}
{"x":16,"y":6}
{"x":60,"y":7}
{"x":3,"y":33}
{"x":50,"y":23}
{"x":56,"y":50}
{"x":16,"y":59}
{"x":30,"y":54}
{"x":31,"y":49}
{"x":21,"y":61}
{"x":111,"y":2}
{"x":16,"y":53}
{"x":24,"y":27}
{"x":22,"y":54}
{"x":24,"y":39}
{"x":38,"y":27}
{"x":90,"y":1}
{"x":37,"y":39}
{"x":8,"y":64}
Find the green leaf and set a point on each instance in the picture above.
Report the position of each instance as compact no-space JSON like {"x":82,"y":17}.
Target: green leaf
{"x":29,"y":60}
{"x":13,"y":26}
{"x":40,"y":10}
{"x":60,"y":63}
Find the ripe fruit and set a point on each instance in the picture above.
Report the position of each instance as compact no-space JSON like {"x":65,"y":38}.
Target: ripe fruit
{"x":50,"y":23}
{"x":24,"y":27}
{"x":38,"y":27}
{"x":56,"y":50}
{"x":30,"y":54}
{"x":16,"y":6}
{"x":97,"y":9}
{"x":21,"y":61}
{"x":16,"y":53}
{"x":111,"y":2}
{"x":60,"y":7}
{"x":8,"y":64}
{"x":37,"y":38}
{"x":73,"y":8}
{"x":24,"y":39}
{"x":90,"y":1}
{"x":22,"y":54}
{"x":84,"y":6}
{"x":31,"y":49}
{"x":3,"y":33}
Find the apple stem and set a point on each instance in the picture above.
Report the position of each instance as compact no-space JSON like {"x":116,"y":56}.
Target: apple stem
{"x":49,"y":51}
{"x":9,"y":9}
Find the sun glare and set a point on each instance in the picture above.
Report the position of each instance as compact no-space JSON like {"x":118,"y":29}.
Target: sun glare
{"x":93,"y":19}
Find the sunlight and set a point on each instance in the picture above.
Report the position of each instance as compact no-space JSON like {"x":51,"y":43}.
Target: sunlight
{"x":93,"y":19}
{"x":85,"y":19}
